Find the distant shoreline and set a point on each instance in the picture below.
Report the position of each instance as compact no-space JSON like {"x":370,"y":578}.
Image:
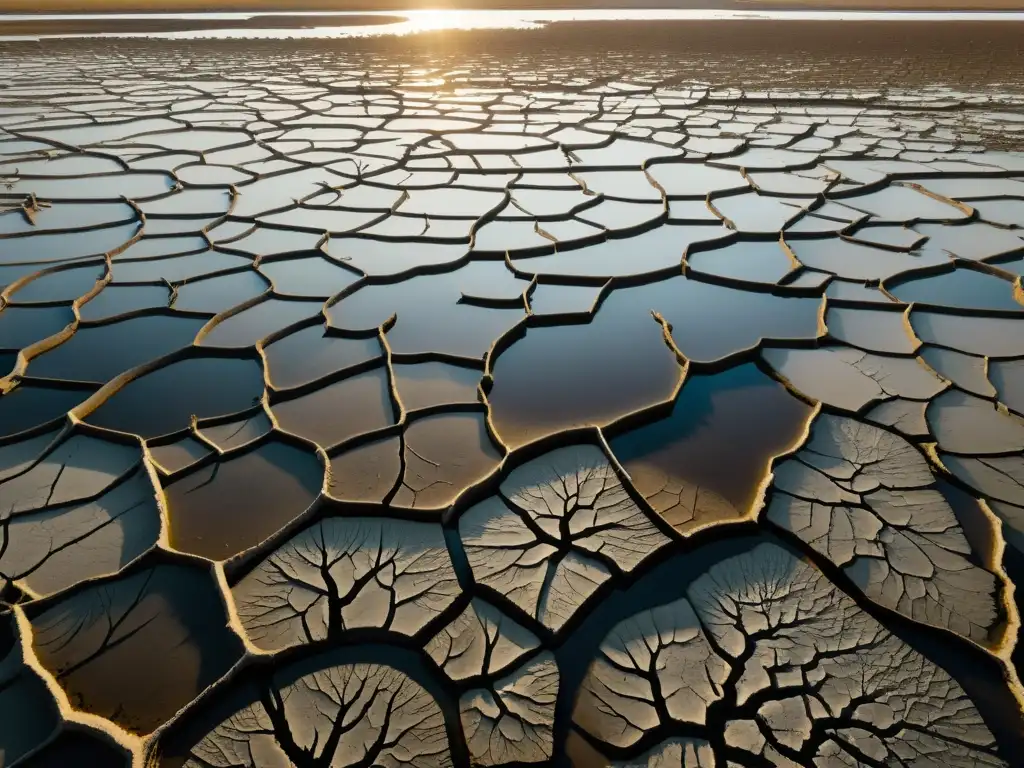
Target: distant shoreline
{"x":43,"y":26}
{"x":46,"y":7}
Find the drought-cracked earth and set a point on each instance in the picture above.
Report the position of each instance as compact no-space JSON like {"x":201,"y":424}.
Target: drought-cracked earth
{"x":449,"y":411}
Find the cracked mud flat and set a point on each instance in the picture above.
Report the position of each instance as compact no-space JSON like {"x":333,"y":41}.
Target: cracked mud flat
{"x":478,"y":405}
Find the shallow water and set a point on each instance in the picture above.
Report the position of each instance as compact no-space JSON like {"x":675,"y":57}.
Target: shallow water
{"x":417,"y":22}
{"x":582,"y":396}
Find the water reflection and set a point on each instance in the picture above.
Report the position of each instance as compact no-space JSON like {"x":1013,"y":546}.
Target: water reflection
{"x":420,"y":21}
{"x":705,"y":462}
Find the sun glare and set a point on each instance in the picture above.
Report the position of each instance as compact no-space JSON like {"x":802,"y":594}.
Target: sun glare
{"x":438,"y":19}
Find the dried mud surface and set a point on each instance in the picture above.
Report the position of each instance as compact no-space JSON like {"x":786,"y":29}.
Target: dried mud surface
{"x":488,"y":402}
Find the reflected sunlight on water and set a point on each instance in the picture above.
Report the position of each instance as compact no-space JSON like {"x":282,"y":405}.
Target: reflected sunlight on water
{"x":437,"y":20}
